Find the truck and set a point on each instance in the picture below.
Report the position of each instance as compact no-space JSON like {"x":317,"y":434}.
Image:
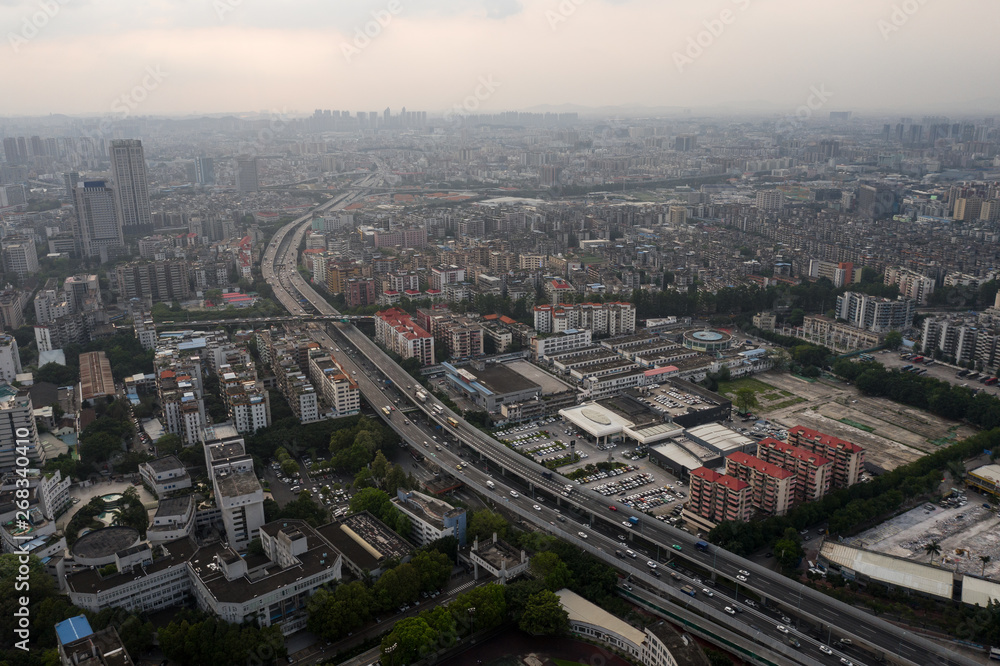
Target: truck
{"x":687,"y":589}
{"x":422,"y":396}
{"x":491,"y":485}
{"x":702,"y":546}
{"x":633,"y":520}
{"x":547,"y":474}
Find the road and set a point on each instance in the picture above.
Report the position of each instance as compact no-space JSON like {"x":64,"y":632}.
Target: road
{"x":833,"y":618}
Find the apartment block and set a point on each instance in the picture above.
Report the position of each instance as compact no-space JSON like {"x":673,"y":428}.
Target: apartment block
{"x":717,"y":497}
{"x":878,"y":315}
{"x":957,"y":337}
{"x":848,"y":458}
{"x":459,"y":336}
{"x":18,"y":433}
{"x":359,"y":292}
{"x":154,"y":282}
{"x":340,"y":393}
{"x":839,"y":273}
{"x":772,"y":488}
{"x":911,"y":285}
{"x":238,"y":493}
{"x":813,"y":472}
{"x":600,"y":318}
{"x":19,"y":256}
{"x":561,"y":342}
{"x":431,"y":518}
{"x":838,"y":336}
{"x":396,"y":331}
{"x":443,"y":275}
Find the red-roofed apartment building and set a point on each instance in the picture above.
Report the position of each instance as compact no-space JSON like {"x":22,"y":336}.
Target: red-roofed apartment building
{"x":717,"y":497}
{"x":771,"y":486}
{"x":397,"y":331}
{"x":848,"y":459}
{"x":813,"y":472}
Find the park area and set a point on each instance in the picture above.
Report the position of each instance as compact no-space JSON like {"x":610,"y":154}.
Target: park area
{"x":891,"y":433}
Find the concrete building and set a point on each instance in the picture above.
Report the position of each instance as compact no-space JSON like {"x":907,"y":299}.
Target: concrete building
{"x":491,"y":386}
{"x":838,"y":336}
{"x":765,"y":321}
{"x":444,"y":275}
{"x":498,"y":558}
{"x":878,"y":315}
{"x":18,"y":433}
{"x":164,"y":475}
{"x":19,"y":256}
{"x":79,"y":644}
{"x":716,"y":497}
{"x":155,"y":281}
{"x":396,"y":331}
{"x":657,"y":645}
{"x":770,"y":200}
{"x":175,"y":518}
{"x":10,"y":359}
{"x":848,"y":458}
{"x":431,"y":518}
{"x":238,"y":493}
{"x":911,"y":285}
{"x":246,"y":175}
{"x":569,"y":340}
{"x":813,"y":472}
{"x":97,"y":229}
{"x":360,"y":292}
{"x":128,"y":170}
{"x":771,"y":486}
{"x":839,"y":273}
{"x":340,"y":393}
{"x":602,"y":319}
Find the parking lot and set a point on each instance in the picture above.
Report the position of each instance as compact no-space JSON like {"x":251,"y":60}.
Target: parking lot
{"x":326,"y":487}
{"x":633,"y":482}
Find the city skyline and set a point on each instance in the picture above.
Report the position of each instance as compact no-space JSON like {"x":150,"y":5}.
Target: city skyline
{"x":734,"y":56}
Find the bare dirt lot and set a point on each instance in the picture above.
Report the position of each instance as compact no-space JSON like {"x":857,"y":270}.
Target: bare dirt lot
{"x":892,"y":434}
{"x":971,"y":529}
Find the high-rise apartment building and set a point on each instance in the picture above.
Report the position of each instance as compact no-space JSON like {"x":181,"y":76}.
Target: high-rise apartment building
{"x":20,"y":256}
{"x":238,"y":493}
{"x":911,"y":285}
{"x":204,"y":170}
{"x":155,"y":281}
{"x":871,"y":313}
{"x":246,"y":175}
{"x":876,"y":202}
{"x":10,"y":360}
{"x":839,"y":273}
{"x":717,"y":497}
{"x":770,"y":200}
{"x":599,"y":318}
{"x":360,"y":291}
{"x":128,"y":170}
{"x":18,"y":434}
{"x":848,"y":458}
{"x":96,"y":227}
{"x":771,"y":486}
{"x":813,"y":472}
{"x":397,"y":331}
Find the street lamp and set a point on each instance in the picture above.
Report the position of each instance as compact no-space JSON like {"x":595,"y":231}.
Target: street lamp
{"x":472,"y":621}
{"x":389,"y":650}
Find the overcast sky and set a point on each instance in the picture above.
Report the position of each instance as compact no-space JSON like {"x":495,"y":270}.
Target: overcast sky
{"x":213,"y":56}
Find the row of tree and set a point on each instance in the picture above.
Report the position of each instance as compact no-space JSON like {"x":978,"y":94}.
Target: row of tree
{"x":193,"y":637}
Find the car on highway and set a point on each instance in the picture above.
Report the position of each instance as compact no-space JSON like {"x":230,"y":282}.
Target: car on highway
{"x":782,"y":628}
{"x":582,"y":535}
{"x":825,"y":649}
{"x":786,"y":619}
{"x":514,"y":494}
{"x":613,"y":508}
{"x":707,"y":592}
{"x":744,"y":572}
{"x":676,"y":547}
{"x":651,"y":564}
{"x":536,"y":507}
{"x":729,"y":609}
{"x":750,"y":603}
{"x":742,"y":579}
{"x":621,"y":537}
{"x":846,"y":662}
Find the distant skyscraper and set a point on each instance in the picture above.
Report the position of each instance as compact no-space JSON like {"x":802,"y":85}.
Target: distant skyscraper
{"x":246,"y":175}
{"x":97,"y":224}
{"x":204,"y":170}
{"x":128,"y":168}
{"x":70,"y":180}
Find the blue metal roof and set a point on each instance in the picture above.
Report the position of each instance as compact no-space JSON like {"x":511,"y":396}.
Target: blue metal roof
{"x":73,"y":629}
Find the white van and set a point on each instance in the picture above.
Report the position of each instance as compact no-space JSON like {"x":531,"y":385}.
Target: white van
{"x":490,"y":484}
{"x":630,"y":553}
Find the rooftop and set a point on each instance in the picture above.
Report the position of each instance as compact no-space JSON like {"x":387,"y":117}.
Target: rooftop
{"x":165,"y":464}
{"x":237,"y":484}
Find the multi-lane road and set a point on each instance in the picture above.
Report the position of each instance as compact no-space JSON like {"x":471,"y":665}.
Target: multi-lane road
{"x":510,"y":471}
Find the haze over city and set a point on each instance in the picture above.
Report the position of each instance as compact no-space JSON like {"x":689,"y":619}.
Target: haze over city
{"x":78,"y":56}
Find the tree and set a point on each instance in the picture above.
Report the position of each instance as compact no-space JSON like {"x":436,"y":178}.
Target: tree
{"x":932,"y":549}
{"x":544,"y":615}
{"x":788,"y":552}
{"x":746,"y":400}
{"x":551,"y":570}
{"x":410,"y":639}
{"x":169,"y":444}
{"x":484,"y":523}
{"x":893,"y":339}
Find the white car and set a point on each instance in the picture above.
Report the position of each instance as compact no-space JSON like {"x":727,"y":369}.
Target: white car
{"x":782,"y":628}
{"x":536,"y":507}
{"x":651,"y":564}
{"x":825,"y":650}
{"x":582,"y":535}
{"x":741,"y":578}
{"x":743,"y":572}
{"x":514,"y":494}
{"x":729,"y":609}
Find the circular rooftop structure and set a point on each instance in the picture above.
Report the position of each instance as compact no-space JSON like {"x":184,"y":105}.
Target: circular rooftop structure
{"x":708,"y":340}
{"x":98,"y":548}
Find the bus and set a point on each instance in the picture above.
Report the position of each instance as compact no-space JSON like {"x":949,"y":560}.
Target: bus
{"x":386,"y":411}
{"x":452,"y":422}
{"x":439,"y":409}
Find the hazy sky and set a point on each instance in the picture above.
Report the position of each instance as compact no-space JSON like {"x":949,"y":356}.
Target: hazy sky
{"x":183,"y":56}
